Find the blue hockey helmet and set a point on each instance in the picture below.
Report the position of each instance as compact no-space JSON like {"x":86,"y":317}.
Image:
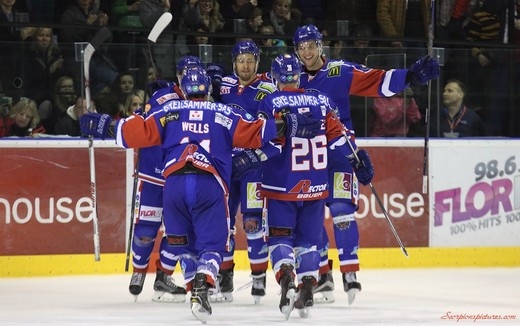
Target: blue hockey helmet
{"x":188,"y":61}
{"x":195,"y":81}
{"x":286,"y":68}
{"x":245,"y":47}
{"x":307,"y":33}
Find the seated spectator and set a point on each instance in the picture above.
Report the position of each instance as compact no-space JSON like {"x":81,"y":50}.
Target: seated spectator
{"x":393,"y":115}
{"x":456,"y":120}
{"x":69,"y":124}
{"x":206,"y":12}
{"x":78,"y":19}
{"x":193,"y":41}
{"x":237,"y":9}
{"x":284,"y":18}
{"x":43,"y":65}
{"x":254,"y":21}
{"x":22,"y":120}
{"x":134,"y":101}
{"x":270,"y":47}
{"x":64,"y":95}
{"x":123,"y":85}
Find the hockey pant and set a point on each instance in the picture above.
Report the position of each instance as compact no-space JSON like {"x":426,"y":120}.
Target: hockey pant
{"x":246,"y":194}
{"x":147,"y":224}
{"x":342,"y":204}
{"x":196,"y":223}
{"x":292,"y":235}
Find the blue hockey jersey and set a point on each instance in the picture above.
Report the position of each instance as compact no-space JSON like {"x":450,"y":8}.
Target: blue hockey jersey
{"x":300,"y":171}
{"x":199,"y":132}
{"x":340,"y":79}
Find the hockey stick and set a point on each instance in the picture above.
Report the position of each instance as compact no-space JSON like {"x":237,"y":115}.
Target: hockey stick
{"x":378,"y":199}
{"x":101,"y":36}
{"x":157,"y":29}
{"x":428,"y":108}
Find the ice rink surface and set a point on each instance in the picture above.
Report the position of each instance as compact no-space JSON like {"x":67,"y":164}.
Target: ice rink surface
{"x":389,"y":297}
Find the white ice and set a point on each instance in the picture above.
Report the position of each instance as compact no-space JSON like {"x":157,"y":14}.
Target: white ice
{"x":389,"y":297}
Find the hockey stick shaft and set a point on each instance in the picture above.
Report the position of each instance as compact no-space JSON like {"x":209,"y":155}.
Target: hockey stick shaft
{"x":156,"y":31}
{"x":428,"y":108}
{"x":379,"y":201}
{"x":101,"y":36}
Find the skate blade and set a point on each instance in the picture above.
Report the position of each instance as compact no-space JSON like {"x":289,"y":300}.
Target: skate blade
{"x":352,"y":295}
{"x":199,"y":312}
{"x":305,"y":312}
{"x":324,"y":297}
{"x":160,"y":296}
{"x":286,"y":310}
{"x":219,"y":297}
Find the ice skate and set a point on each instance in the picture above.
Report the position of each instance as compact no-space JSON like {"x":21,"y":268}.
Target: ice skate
{"x":351,"y":286}
{"x":325,"y":289}
{"x":136,"y":283}
{"x":223,"y":291}
{"x":166,"y":290}
{"x":288,"y":294}
{"x":305,"y":297}
{"x":200,"y":306}
{"x":258,"y":286}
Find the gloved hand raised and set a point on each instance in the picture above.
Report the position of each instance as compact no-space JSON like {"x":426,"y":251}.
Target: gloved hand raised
{"x":364,"y":169}
{"x":215,"y":72}
{"x":423,"y":70}
{"x":95,"y":125}
{"x":246,"y":160}
{"x":302,"y":126}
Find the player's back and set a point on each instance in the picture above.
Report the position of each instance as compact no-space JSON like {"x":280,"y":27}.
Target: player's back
{"x":300,"y":171}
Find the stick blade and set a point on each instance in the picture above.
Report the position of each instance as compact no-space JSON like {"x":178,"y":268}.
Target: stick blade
{"x":159,"y":26}
{"x":101,"y":36}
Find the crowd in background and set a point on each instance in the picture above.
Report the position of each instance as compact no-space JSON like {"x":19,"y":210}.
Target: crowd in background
{"x":41,"y":84}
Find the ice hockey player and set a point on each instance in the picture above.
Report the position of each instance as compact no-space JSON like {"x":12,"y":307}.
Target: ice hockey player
{"x":197,"y":137}
{"x":149,"y":204}
{"x":295,"y":185}
{"x":244,"y":90}
{"x":340,"y":79}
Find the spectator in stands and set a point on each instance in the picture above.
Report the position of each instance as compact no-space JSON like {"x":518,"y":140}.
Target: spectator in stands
{"x":206,"y":12}
{"x":51,"y":110}
{"x":361,"y":47}
{"x":393,"y":115}
{"x":22,"y":121}
{"x":43,"y":65}
{"x":313,"y":11}
{"x":356,"y":12}
{"x":284,"y":18}
{"x":125,"y":14}
{"x":11,"y":37}
{"x":81,"y":20}
{"x":398,"y":19}
{"x":270,"y":47}
{"x":254,"y":21}
{"x":77,"y":20}
{"x":193,"y":41}
{"x":69,"y":124}
{"x":123,"y":85}
{"x":236,"y":9}
{"x":488,"y":76}
{"x":455,"y":119}
{"x":134,"y":101}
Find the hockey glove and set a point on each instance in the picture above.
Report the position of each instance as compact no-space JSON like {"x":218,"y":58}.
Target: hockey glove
{"x":298,"y":125}
{"x":243,"y":162}
{"x":423,"y":70}
{"x":95,"y":125}
{"x":215,"y":72}
{"x":364,"y":168}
